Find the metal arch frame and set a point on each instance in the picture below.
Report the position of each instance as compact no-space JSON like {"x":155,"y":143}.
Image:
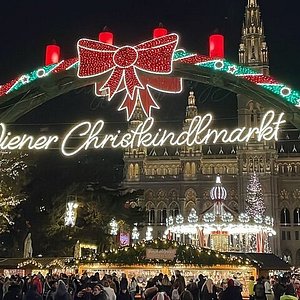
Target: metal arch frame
{"x":38,"y":92}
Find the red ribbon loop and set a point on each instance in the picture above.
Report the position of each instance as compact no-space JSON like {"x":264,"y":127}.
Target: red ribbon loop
{"x":154,"y":56}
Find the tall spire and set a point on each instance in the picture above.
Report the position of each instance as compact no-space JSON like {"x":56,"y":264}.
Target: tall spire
{"x":253,"y":49}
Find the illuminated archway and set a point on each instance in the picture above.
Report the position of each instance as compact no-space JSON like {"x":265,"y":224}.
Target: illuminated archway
{"x":28,"y":91}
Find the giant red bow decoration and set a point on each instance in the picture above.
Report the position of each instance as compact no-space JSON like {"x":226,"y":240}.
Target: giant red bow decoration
{"x":126,"y":63}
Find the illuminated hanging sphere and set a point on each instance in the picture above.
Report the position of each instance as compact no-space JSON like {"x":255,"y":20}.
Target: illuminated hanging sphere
{"x":218,"y":192}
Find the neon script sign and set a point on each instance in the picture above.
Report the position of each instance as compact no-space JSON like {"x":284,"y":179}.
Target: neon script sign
{"x":92,"y":136}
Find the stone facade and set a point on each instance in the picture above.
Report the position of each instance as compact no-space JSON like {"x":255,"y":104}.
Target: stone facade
{"x":178,"y":179}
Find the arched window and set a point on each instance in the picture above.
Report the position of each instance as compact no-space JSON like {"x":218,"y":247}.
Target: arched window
{"x":136,"y":170}
{"x":151,"y":212}
{"x":187,"y":169}
{"x":193,"y":169}
{"x":174,"y":209}
{"x":162,"y":213}
{"x":130,"y":171}
{"x":164,"y":216}
{"x":297,"y":216}
{"x":152,"y":216}
{"x":285,"y":218}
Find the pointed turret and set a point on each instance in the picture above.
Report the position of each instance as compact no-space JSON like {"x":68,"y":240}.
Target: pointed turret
{"x":253,"y":51}
{"x":133,"y":156}
{"x":190,"y":155}
{"x":191,"y":109}
{"x":252,"y":3}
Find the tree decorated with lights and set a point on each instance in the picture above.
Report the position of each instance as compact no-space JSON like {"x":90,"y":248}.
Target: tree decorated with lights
{"x":12,"y":167}
{"x":255,"y":205}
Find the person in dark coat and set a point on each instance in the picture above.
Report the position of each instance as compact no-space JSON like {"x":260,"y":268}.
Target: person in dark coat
{"x":193,"y":288}
{"x":231,"y":292}
{"x":259,"y":290}
{"x":98,"y":293}
{"x":186,"y":295}
{"x":61,"y":292}
{"x":123,"y":283}
{"x":14,"y":292}
{"x":278,"y":289}
{"x":209,"y":290}
{"x":179,"y":280}
{"x":200,"y":283}
{"x":124,"y":294}
{"x":166,"y":285}
{"x":32,"y":293}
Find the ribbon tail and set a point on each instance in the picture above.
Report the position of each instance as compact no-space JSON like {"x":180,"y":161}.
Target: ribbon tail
{"x":147,"y":101}
{"x":112,"y":85}
{"x":129,"y":104}
{"x":132,"y":81}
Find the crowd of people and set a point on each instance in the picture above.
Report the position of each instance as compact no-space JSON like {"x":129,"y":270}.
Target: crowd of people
{"x":160,"y":287}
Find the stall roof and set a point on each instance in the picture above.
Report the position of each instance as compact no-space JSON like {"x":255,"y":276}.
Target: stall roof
{"x":40,"y":262}
{"x":266,"y":261}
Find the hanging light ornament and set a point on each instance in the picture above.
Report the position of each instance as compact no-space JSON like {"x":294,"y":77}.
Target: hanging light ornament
{"x":149,"y":235}
{"x":192,"y":217}
{"x":244,"y":218}
{"x":209,"y":217}
{"x":179,"y":219}
{"x":258,"y":219}
{"x":71,"y":213}
{"x":135,"y":233}
{"x":227,"y":217}
{"x":113,"y":227}
{"x":268,"y":220}
{"x":170,"y":221}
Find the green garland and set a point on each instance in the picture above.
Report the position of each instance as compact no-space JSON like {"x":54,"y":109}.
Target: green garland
{"x":185,"y":254}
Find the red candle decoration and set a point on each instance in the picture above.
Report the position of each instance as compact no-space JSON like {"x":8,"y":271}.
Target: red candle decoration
{"x":216,"y":46}
{"x":159,"y":31}
{"x":52,"y":55}
{"x":106,"y":37}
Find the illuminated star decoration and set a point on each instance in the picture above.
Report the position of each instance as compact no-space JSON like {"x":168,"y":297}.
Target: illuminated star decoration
{"x":232,"y":69}
{"x":130,"y":68}
{"x":25,"y":79}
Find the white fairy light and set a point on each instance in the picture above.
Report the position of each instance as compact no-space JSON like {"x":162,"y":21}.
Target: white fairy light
{"x":113,"y":227}
{"x":135,"y":233}
{"x":149,"y":235}
{"x":71,"y":213}
{"x":192,"y":217}
{"x":179,"y":219}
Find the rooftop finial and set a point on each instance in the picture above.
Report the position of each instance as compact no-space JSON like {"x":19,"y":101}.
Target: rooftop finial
{"x":191,"y":98}
{"x":252,"y":3}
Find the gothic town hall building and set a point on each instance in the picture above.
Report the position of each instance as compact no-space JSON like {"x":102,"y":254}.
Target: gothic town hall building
{"x":177,"y":180}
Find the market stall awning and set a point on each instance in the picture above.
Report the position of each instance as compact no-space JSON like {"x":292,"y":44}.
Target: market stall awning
{"x":38,"y":262}
{"x":266,"y":261}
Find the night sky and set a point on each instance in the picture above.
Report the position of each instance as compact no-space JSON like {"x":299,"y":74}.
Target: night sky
{"x":28,"y":26}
